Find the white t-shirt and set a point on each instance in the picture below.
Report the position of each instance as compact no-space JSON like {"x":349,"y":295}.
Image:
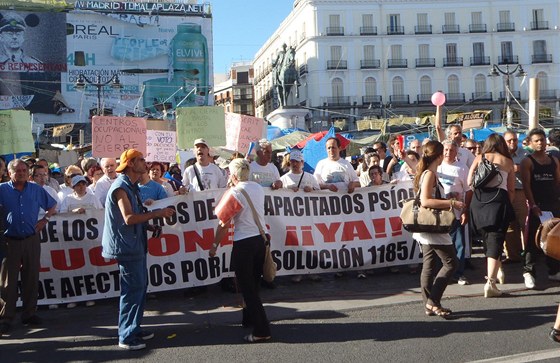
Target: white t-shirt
{"x":465,"y":156}
{"x":233,"y":206}
{"x":264,"y":175}
{"x":290,"y":180}
{"x":339,"y":173}
{"x":211,"y":177}
{"x":453,"y":177}
{"x":102,"y":188}
{"x":72,"y":201}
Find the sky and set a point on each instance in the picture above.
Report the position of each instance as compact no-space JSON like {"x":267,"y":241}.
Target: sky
{"x":241,"y":27}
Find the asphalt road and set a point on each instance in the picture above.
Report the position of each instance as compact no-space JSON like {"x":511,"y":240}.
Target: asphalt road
{"x":336,"y":320}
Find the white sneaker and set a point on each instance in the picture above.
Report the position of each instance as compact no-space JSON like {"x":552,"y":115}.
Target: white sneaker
{"x":53,"y":306}
{"x":71,"y":305}
{"x":555,"y":277}
{"x":463,"y":281}
{"x":90,"y":303}
{"x":529,"y":280}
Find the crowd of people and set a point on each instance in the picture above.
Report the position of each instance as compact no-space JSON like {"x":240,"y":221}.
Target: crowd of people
{"x":441,"y":170}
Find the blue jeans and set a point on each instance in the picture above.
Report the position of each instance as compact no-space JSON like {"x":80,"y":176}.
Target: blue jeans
{"x":458,"y":237}
{"x":134,"y":284}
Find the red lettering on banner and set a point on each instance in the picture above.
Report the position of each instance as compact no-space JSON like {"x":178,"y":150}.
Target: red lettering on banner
{"x":192,"y":239}
{"x":166,"y":245}
{"x":396,"y":226}
{"x":328,"y":231}
{"x":354,"y":229}
{"x":307,"y":236}
{"x":291,"y":236}
{"x":98,"y":260}
{"x":76,"y":256}
{"x":379,"y":226}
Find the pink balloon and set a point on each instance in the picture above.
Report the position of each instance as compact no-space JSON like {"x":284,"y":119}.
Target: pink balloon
{"x":438,"y":98}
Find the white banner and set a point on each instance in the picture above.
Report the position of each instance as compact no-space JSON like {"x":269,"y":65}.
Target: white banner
{"x":311,"y":233}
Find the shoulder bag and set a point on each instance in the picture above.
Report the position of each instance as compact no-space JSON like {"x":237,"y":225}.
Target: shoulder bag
{"x":418,"y":219}
{"x":548,"y":238}
{"x":484,"y":173}
{"x":269,"y":266}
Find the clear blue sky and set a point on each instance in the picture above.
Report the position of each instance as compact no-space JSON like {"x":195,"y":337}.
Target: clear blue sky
{"x":242,"y":26}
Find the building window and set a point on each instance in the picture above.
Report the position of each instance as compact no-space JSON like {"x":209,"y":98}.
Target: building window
{"x":543,"y":80}
{"x":451,"y":51}
{"x":398,"y":86}
{"x":394,"y":24}
{"x":242,"y":77}
{"x":424,"y":51}
{"x":425,"y":85}
{"x":334,"y":27}
{"x":371,"y":86}
{"x":369,"y":52}
{"x":453,"y":84}
{"x":507,"y":52}
{"x":478,"y":50}
{"x":337,"y":87}
{"x":480,"y":84}
{"x":367,"y":20}
{"x":336,"y":52}
{"x":539,"y":47}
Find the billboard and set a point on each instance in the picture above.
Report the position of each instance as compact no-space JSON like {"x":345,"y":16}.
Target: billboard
{"x":162,"y":56}
{"x":32,"y":57}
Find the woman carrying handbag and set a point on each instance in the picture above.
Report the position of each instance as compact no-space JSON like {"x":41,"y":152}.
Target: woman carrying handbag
{"x":433,"y":283}
{"x":247,"y":256}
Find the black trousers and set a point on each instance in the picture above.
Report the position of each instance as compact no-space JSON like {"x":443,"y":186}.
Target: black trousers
{"x":247,"y":261}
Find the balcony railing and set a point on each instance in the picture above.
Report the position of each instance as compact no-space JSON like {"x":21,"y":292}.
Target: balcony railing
{"x":515,"y":94}
{"x":243,"y":97}
{"x":510,"y":59}
{"x":480,"y":61}
{"x":371,"y":100}
{"x":547,"y":94}
{"x":337,"y":64}
{"x":455,"y":97}
{"x":399,"y":99}
{"x":539,"y":25}
{"x":339,"y":101}
{"x":424,"y":98}
{"x":397,"y":63}
{"x":453,"y":62}
{"x":541,"y":58}
{"x":481,"y":96}
{"x":446,"y":29}
{"x":425,"y":62}
{"x":395,"y":30}
{"x":477,"y":28}
{"x":505,"y":27}
{"x":335,"y":30}
{"x":423,"y":29}
{"x":370,"y":63}
{"x":303,"y":69}
{"x":368,"y":30}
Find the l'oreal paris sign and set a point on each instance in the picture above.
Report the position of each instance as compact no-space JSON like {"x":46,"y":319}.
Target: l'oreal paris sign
{"x":145,"y":7}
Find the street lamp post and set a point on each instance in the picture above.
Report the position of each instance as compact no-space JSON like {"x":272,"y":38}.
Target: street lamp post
{"x":99,"y":84}
{"x":495,"y":72}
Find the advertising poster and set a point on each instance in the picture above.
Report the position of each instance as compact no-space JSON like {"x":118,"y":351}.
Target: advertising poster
{"x":163,"y":59}
{"x":32,"y":57}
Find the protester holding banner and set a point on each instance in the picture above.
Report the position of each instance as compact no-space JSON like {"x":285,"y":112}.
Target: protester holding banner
{"x":104,"y":183}
{"x":21,"y":201}
{"x":150,"y":190}
{"x":66,"y":188}
{"x":156,"y":173}
{"x":80,"y":200}
{"x":203,"y":174}
{"x":434,"y":244}
{"x":297,"y":179}
{"x":248,"y":246}
{"x":264,"y":172}
{"x":335,"y":173}
{"x":125,"y":239}
{"x":491,"y":209}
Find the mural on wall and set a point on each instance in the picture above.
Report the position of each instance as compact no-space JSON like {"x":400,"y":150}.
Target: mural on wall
{"x":32,"y":57}
{"x":162,"y":56}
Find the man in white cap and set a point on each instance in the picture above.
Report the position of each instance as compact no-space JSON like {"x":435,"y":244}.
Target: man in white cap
{"x":204,"y":174}
{"x":297,"y":179}
{"x":80,"y":200}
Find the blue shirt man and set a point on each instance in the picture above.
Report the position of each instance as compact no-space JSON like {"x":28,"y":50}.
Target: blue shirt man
{"x":21,"y":201}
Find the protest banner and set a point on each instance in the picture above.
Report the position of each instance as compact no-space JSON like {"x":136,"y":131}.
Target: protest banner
{"x":161,"y":146}
{"x":241,"y":130}
{"x":200,"y":122}
{"x":15,"y":132}
{"x":314,"y":232}
{"x":112,"y":135}
{"x":62,"y":130}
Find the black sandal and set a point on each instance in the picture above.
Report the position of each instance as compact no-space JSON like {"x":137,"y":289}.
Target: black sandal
{"x":437,"y":311}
